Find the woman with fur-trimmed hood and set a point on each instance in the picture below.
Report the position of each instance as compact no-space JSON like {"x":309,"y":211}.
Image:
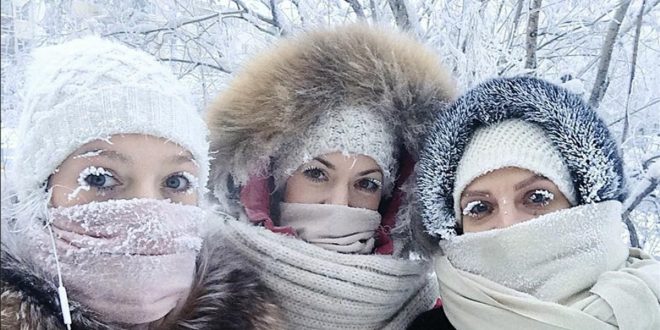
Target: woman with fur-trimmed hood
{"x":522,"y":185}
{"x":311,"y":144}
{"x":102,"y":227}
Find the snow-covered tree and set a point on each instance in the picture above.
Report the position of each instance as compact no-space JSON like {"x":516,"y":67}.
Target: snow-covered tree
{"x":604,"y":50}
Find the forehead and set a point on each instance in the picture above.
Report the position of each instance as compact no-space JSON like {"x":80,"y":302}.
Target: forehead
{"x":135,"y":147}
{"x":351,"y":161}
{"x":502,"y":178}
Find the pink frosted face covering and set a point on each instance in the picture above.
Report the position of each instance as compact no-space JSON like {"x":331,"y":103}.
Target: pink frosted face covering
{"x":132,"y":261}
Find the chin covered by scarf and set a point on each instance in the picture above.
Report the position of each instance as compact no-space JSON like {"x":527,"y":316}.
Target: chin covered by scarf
{"x":132,"y":261}
{"x":528,"y":276}
{"x":323,"y":289}
{"x":333,"y":227}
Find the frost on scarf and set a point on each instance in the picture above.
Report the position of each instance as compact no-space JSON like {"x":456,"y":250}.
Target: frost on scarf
{"x":129,"y":227}
{"x":129,"y":260}
{"x":551,"y":257}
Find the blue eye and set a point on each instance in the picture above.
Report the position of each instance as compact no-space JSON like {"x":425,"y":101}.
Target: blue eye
{"x":315,"y":174}
{"x":477,"y":209}
{"x":539,"y":198}
{"x":98,"y":178}
{"x":177,"y":182}
{"x":369,"y":184}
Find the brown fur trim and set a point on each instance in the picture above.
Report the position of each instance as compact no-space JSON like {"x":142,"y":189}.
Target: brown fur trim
{"x":285,"y":90}
{"x":29,"y":299}
{"x":227,"y":294}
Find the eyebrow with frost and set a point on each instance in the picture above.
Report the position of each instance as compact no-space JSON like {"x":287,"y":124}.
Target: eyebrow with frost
{"x":96,"y":152}
{"x":518,"y":186}
{"x":329,"y":165}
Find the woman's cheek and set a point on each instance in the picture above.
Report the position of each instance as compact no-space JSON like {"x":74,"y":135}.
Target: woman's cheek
{"x":186,"y":198}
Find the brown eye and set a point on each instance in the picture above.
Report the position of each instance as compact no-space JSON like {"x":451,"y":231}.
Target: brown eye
{"x":315,"y":174}
{"x":369,"y":184}
{"x":477,"y":209}
{"x":539,"y":198}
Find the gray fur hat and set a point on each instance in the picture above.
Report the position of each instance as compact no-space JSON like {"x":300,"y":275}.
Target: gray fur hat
{"x":579,"y":135}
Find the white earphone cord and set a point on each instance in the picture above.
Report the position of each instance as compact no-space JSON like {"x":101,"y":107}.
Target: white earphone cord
{"x":61,"y":291}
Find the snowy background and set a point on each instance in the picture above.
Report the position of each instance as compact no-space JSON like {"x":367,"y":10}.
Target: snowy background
{"x":608,"y":51}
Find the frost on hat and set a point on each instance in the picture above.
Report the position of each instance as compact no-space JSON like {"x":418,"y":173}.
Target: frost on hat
{"x":89,"y":89}
{"x":356,"y":131}
{"x":512,"y":143}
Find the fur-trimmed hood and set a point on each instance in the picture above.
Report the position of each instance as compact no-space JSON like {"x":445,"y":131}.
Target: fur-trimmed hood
{"x":579,"y":134}
{"x":226,"y":294}
{"x":285,"y":90}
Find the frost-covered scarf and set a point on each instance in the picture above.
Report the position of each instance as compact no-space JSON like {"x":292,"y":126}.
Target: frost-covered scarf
{"x":131,"y":261}
{"x":321,"y":289}
{"x":564,"y":270}
{"x":333,"y":227}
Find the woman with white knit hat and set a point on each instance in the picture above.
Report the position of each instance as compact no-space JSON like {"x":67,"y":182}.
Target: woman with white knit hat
{"x":311,"y":143}
{"x":521,"y":183}
{"x":104,"y":229}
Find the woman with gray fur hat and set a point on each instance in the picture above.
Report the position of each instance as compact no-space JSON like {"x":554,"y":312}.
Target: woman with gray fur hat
{"x":522,"y":184}
{"x":102,"y":227}
{"x":311,"y":143}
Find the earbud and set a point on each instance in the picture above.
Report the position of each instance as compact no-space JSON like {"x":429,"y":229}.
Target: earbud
{"x":64,"y":303}
{"x":61,"y":291}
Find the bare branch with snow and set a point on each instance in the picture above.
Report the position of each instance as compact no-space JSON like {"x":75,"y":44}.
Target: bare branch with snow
{"x":601,"y":82}
{"x":532,"y":33}
{"x":357,"y":8}
{"x":401,"y":15}
{"x":633,"y":66}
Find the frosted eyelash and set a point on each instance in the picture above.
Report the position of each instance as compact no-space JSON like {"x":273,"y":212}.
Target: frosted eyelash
{"x":549,"y":196}
{"x":192,"y":180}
{"x":312,"y":167}
{"x":376,"y":181}
{"x":467,"y":209}
{"x":82,"y":183}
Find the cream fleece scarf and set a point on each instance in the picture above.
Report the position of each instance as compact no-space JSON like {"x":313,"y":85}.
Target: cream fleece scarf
{"x":321,"y":289}
{"x":565,"y":270}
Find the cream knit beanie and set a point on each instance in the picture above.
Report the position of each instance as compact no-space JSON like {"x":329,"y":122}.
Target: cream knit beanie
{"x":512,"y":143}
{"x":89,"y":89}
{"x":350,"y":131}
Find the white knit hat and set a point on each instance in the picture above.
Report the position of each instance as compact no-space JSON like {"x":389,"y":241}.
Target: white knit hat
{"x":512,"y":143}
{"x":356,"y":131}
{"x":89,"y":89}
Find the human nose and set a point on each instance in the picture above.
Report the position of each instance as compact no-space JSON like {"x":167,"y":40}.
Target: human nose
{"x":145,"y":190}
{"x":338,"y":196}
{"x":509,"y":214}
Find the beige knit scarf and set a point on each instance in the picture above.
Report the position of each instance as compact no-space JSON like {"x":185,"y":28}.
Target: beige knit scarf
{"x":337,"y":228}
{"x":565,"y":270}
{"x":321,"y":289}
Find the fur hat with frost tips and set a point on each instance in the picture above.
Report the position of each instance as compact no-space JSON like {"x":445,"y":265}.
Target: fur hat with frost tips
{"x":580,"y":137}
{"x":90,"y":89}
{"x":511,"y":143}
{"x":318,"y":75}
